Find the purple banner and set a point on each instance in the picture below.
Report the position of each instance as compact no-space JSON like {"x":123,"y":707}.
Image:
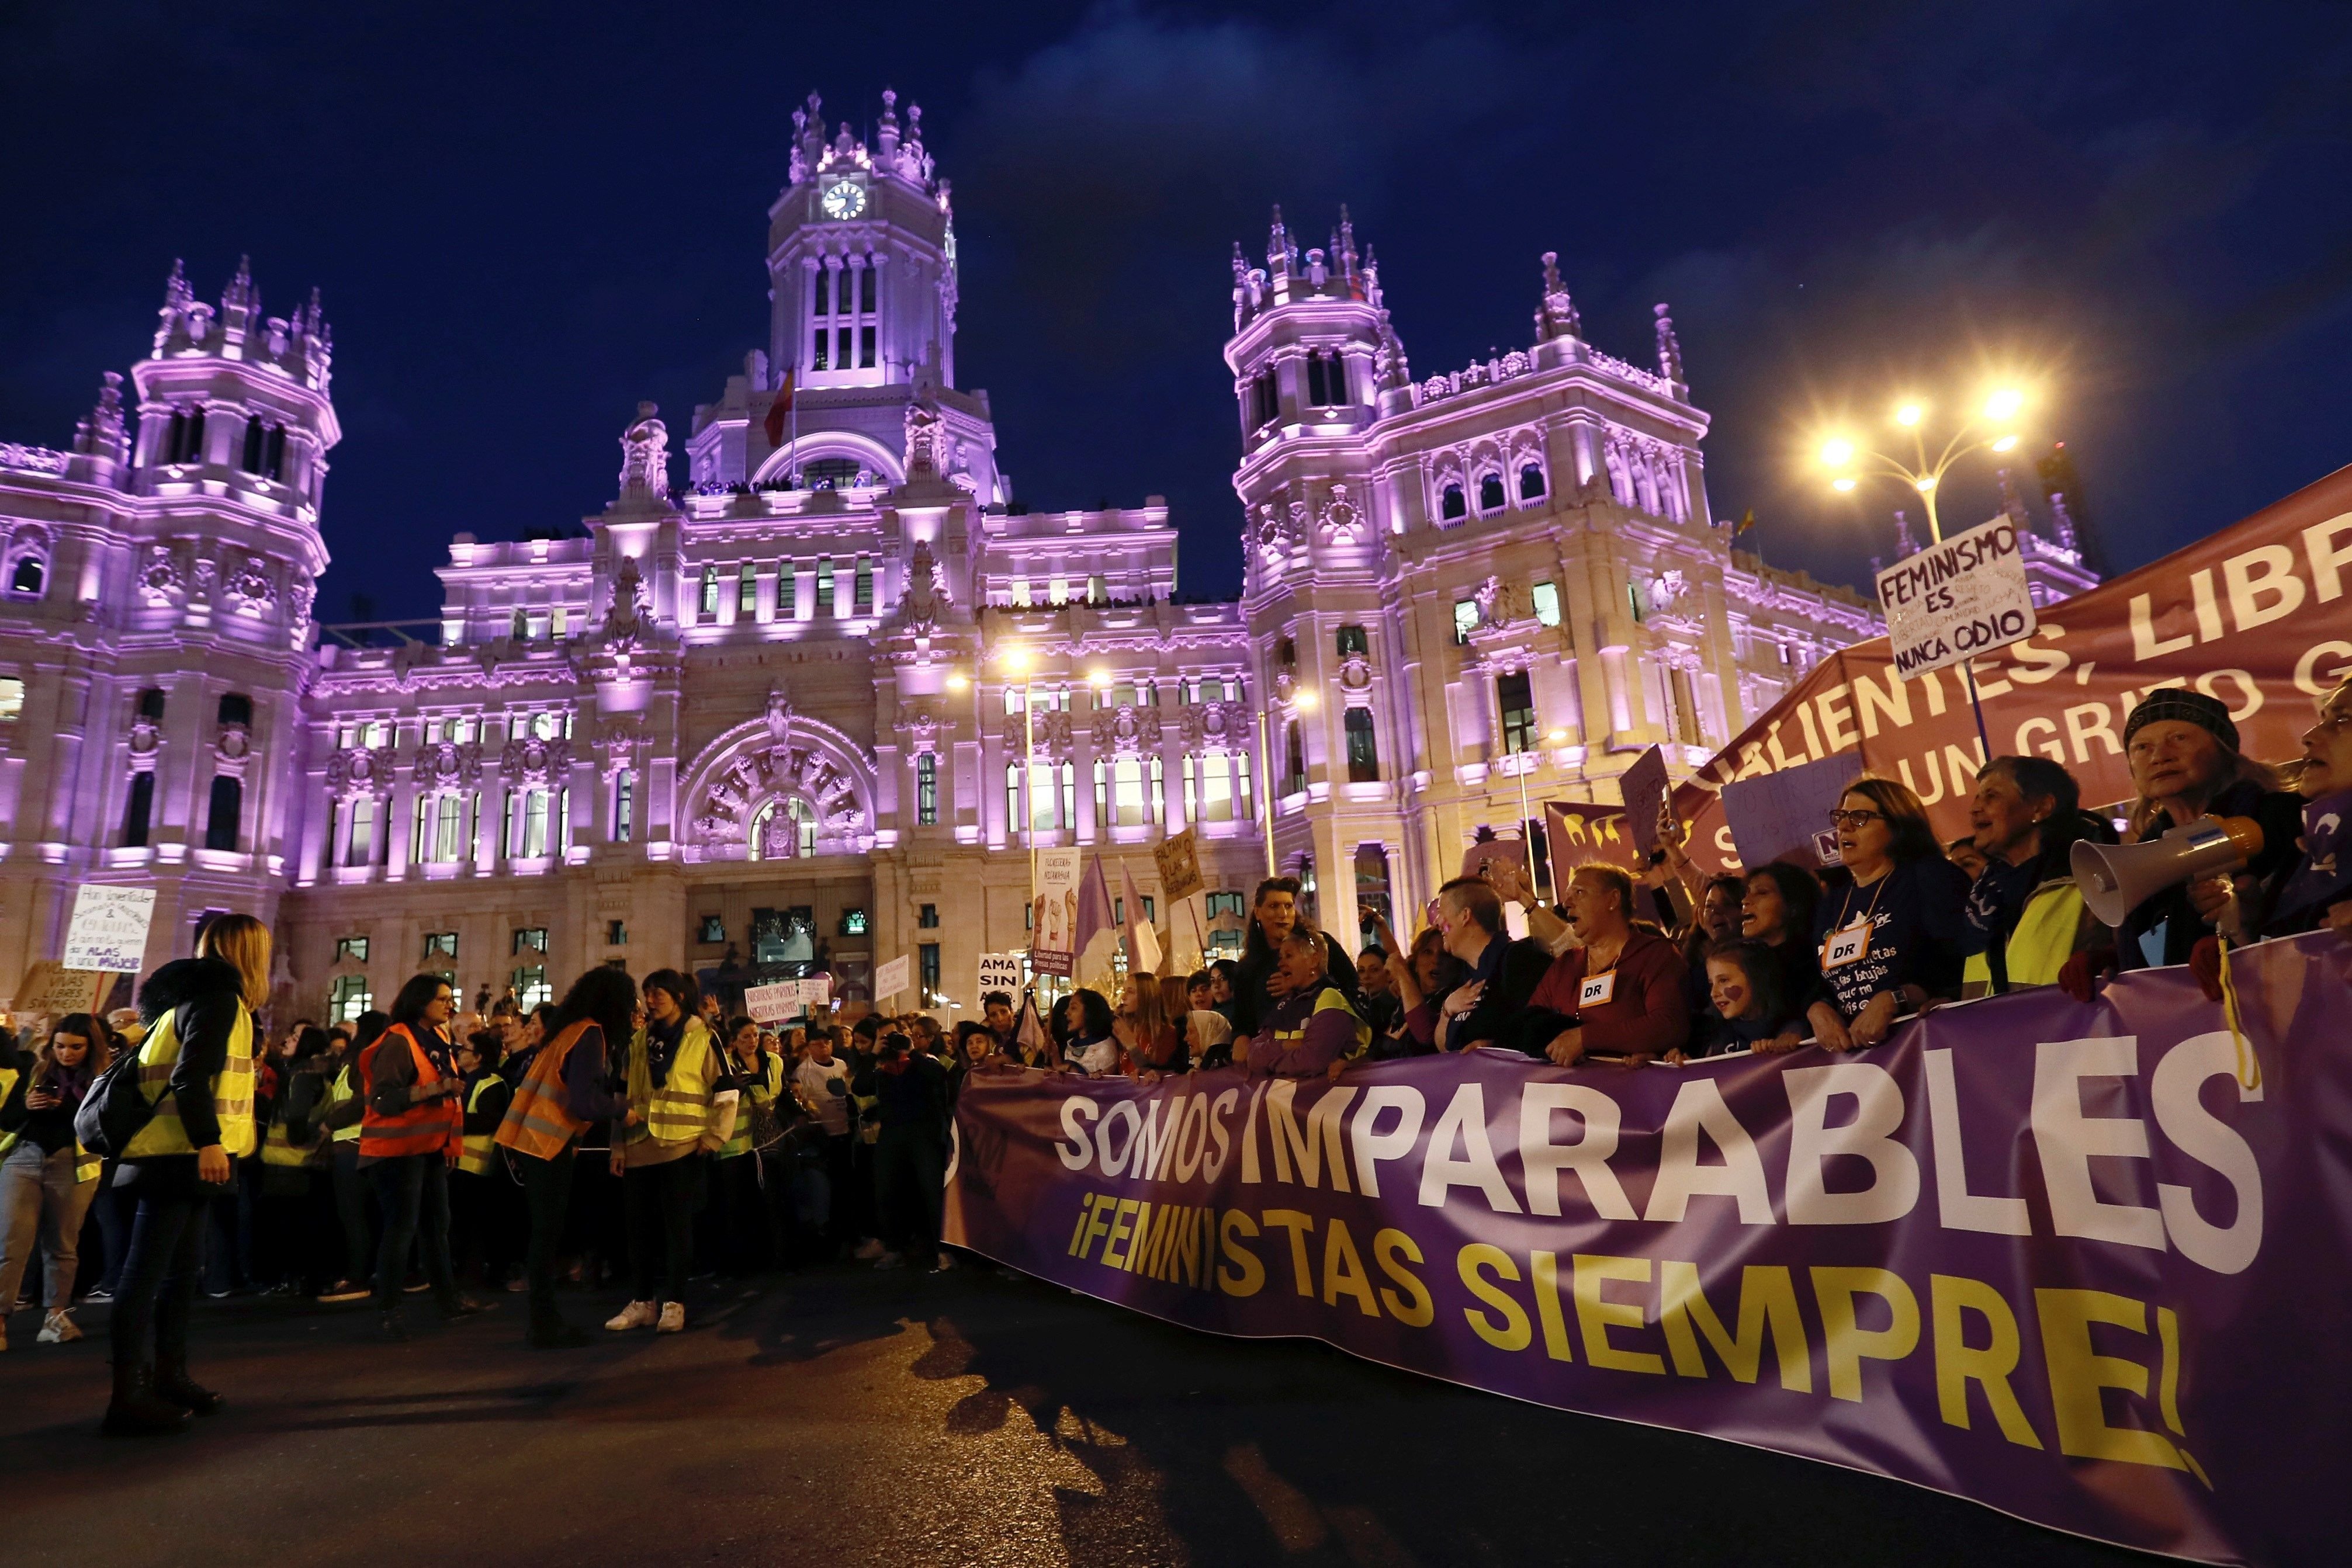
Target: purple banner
{"x":2055,"y":1258}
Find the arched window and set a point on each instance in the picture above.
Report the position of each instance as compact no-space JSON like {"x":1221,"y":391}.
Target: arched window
{"x":1452,"y":505}
{"x":29,"y":577}
{"x":150,"y":705}
{"x":927,"y":790}
{"x":1490,"y":492}
{"x":138,"y":810}
{"x":222,"y":814}
{"x":1363,"y":753}
{"x":236,"y":707}
{"x":1531,"y":482}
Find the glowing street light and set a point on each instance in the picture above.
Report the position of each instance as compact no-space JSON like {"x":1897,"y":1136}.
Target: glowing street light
{"x":959,"y":681}
{"x":1308,"y":701}
{"x":1909,"y":414}
{"x":2004,"y":404}
{"x":1837,"y":454}
{"x":1919,"y":472}
{"x":1016,"y":660}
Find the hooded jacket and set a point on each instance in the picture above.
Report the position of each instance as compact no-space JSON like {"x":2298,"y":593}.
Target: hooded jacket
{"x":206,"y":994}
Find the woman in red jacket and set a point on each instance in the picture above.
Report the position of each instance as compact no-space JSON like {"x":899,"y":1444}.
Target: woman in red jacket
{"x":1619,"y":997}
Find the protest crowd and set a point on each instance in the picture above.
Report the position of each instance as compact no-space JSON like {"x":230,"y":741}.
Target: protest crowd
{"x":623,"y":1142}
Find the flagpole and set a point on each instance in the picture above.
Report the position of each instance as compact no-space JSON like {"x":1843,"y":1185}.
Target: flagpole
{"x":1265,"y":790}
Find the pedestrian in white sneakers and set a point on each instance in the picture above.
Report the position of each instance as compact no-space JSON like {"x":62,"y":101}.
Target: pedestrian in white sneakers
{"x":660,"y":1145}
{"x":47,"y":1178}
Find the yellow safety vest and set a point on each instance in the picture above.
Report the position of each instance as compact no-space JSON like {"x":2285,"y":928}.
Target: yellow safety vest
{"x":1330,"y":998}
{"x":755,"y":1092}
{"x":476,"y":1157}
{"x":85,"y":1164}
{"x":277,"y":1147}
{"x":2046,"y":936}
{"x":341,"y":1092}
{"x":232,"y":1091}
{"x":679,"y":1110}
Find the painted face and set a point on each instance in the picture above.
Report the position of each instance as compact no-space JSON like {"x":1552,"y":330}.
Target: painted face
{"x":1763,"y":913}
{"x":1728,"y":985}
{"x":2327,"y":747}
{"x":1864,"y":832}
{"x":746,"y":1040}
{"x":2172,"y":757}
{"x":1277,"y":915}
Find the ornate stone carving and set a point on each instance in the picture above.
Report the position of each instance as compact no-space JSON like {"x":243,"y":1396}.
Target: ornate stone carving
{"x":355,"y":770}
{"x":1214,"y":727}
{"x":530,"y":760}
{"x":1125,"y":729}
{"x":925,"y":442}
{"x":778,"y":710}
{"x":234,"y":743}
{"x":644,"y":457}
{"x":202,"y":578}
{"x":446,"y":764}
{"x":1049,"y":731}
{"x":1279,"y":530}
{"x":250,"y":579}
{"x":921,"y":601}
{"x":619,"y":746}
{"x":1498,"y":601}
{"x":921,"y":727}
{"x":624,"y":618}
{"x":1342,"y":520}
{"x":145,"y":736}
{"x":161,"y":581}
{"x":1355,"y":672}
{"x":1556,"y":317}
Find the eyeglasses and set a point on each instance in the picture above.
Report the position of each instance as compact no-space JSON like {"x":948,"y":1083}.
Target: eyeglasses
{"x":1855,"y":818}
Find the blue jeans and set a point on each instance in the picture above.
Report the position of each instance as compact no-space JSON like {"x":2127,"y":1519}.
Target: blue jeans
{"x":159,"y":1279}
{"x":413,"y":1192}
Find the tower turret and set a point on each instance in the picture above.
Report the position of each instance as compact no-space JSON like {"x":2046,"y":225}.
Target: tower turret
{"x":1310,"y":345}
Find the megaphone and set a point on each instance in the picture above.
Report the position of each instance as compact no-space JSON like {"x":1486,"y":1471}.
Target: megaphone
{"x":2115,"y":879}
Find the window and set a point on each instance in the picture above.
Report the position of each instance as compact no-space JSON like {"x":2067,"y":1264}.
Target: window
{"x":184,"y":441}
{"x":713,"y":929}
{"x":616,"y":934}
{"x":1058,"y":591}
{"x":841,"y":317}
{"x":1531,"y":482}
{"x":519,"y":628}
{"x":927,"y":916}
{"x":448,"y":824}
{"x":1049,"y":809}
{"x":136,"y":812}
{"x":12,"y":699}
{"x":1363,"y":754}
{"x":1465,"y":620}
{"x":440,"y":944}
{"x":534,"y":824}
{"x":1209,"y":788}
{"x":347,"y":997}
{"x":1451,"y":505}
{"x":530,"y":987}
{"x":624,"y":803}
{"x":28,"y":577}
{"x":1096,"y":592}
{"x":1264,"y":403}
{"x":362,"y":849}
{"x":788,"y":583}
{"x":150,"y":705}
{"x":529,"y":939}
{"x":236,"y":707}
{"x":824,"y":586}
{"x":747,"y":590}
{"x":1326,"y":378}
{"x":1225,"y":904}
{"x":927,"y":790}
{"x":1294,"y":775}
{"x":1634,"y":602}
{"x":861,"y":600}
{"x":1020,"y":593}
{"x":1490,"y":492}
{"x":853,"y":922}
{"x":830,"y":473}
{"x":927,"y":965}
{"x":1119,"y":797}
{"x":710,"y":590}
{"x":223,"y":811}
{"x":1353,"y":641}
{"x":354,"y":949}
{"x":1546,"y":597}
{"x":1517,"y":699}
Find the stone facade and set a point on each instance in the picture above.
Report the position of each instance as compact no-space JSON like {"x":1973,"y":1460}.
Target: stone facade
{"x":795,"y":711}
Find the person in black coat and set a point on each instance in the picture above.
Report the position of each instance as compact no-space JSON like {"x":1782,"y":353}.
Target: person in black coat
{"x":1273,"y":917}
{"x":1503,"y":974}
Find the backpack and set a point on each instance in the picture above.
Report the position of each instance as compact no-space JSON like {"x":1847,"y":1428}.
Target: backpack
{"x":114,"y":1110}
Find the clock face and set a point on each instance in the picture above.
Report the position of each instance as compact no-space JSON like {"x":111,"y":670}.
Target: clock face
{"x":843,"y":200}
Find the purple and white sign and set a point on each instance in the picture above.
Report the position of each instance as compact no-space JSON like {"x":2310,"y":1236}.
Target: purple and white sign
{"x":2079,"y":1263}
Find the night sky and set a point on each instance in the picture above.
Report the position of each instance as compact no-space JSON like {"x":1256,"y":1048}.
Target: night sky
{"x":524,"y":218}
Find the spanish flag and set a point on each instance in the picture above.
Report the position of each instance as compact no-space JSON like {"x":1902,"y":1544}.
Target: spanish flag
{"x":778,"y":409}
{"x":1747,"y":521}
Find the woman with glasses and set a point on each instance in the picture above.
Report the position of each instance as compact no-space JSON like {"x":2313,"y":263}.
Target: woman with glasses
{"x":1893,"y":938}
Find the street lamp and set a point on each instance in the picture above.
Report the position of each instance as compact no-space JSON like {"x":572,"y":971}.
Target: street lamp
{"x":1991,"y":429}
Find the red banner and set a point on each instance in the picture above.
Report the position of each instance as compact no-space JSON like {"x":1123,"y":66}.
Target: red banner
{"x":2257,"y":616}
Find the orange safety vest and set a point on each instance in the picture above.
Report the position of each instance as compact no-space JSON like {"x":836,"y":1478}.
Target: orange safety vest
{"x":426,"y":1127}
{"x":536,"y":1122}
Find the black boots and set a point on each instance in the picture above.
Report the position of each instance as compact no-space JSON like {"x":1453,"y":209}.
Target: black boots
{"x":173,"y":1384}
{"x":137,"y":1410}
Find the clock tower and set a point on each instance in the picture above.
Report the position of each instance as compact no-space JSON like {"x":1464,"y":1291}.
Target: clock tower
{"x":861,"y":254}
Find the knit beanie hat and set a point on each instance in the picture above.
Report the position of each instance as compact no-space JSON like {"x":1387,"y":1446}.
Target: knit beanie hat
{"x":2209,"y":714}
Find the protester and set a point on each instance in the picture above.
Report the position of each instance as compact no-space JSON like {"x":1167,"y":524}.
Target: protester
{"x":1224,"y":988}
{"x":568,"y":1091}
{"x":909,"y":1154}
{"x":1082,"y":1034}
{"x":1617,"y":997}
{"x":1208,"y":1038}
{"x":1003,"y":1027}
{"x":1146,"y":1029}
{"x":196,"y":1071}
{"x":1312,"y":1030}
{"x":1715,"y":918}
{"x":2315,"y":891}
{"x":823,"y":1081}
{"x":1746,"y":1010}
{"x":1199,"y":991}
{"x":339,"y":1114}
{"x":1377,"y":1002}
{"x":1501,"y":974}
{"x":1422,"y":978}
{"x":1893,"y":939}
{"x":294,"y":1218}
{"x":410,"y":1135}
{"x":480,"y":1201}
{"x":46,"y":1177}
{"x":672,"y":1069}
{"x":2026,"y":917}
{"x":1778,"y":905}
{"x":1274,"y":914}
{"x":974,"y":1048}
{"x":744,"y":1218}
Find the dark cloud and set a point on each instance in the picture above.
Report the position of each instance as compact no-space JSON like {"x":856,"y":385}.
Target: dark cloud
{"x":527,"y":218}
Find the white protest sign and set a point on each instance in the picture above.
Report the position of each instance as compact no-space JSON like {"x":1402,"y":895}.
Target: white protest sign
{"x":1958,"y":599}
{"x":998,"y":972}
{"x":108,"y":930}
{"x":816,"y":993}
{"x":773,"y":1004}
{"x":1054,"y":915}
{"x":891,"y":977}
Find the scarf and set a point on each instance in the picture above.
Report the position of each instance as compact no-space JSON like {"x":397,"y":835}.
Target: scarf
{"x":661,"y":1048}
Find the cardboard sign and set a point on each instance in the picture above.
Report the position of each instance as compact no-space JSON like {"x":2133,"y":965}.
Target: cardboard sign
{"x":1054,"y":912}
{"x":50,"y":988}
{"x":998,"y":972}
{"x":892,"y":977}
{"x":773,"y":1004}
{"x":1178,"y":855}
{"x":108,"y":930}
{"x":1958,"y":599}
{"x":1643,"y":787}
{"x":1776,"y":815}
{"x":816,"y":991}
{"x":1578,"y":831}
{"x":1509,"y":851}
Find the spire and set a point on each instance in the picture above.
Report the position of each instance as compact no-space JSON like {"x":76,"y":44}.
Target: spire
{"x":1372,"y":278}
{"x":2062,"y":522}
{"x":1555,"y":316}
{"x":100,"y":435}
{"x":1670,"y":348}
{"x":1278,"y":247}
{"x":177,"y":295}
{"x":2012,"y":505}
{"x":1906,"y":546}
{"x":887,"y":137}
{"x":240,"y":293}
{"x":1345,"y":247}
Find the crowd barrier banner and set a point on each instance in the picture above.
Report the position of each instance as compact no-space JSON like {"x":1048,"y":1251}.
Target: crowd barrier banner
{"x":2256,"y":615}
{"x":2052,"y":1257}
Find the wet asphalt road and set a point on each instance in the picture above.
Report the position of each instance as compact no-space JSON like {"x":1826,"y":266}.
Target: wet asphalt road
{"x":841,"y":1415}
